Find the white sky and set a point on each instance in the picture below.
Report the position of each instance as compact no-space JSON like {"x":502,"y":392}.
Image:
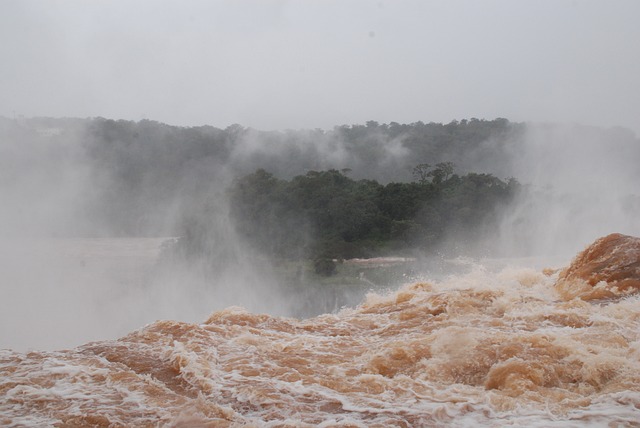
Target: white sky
{"x":316,"y":64}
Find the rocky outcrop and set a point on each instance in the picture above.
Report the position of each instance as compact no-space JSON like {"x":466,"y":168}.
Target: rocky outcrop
{"x":608,"y":268}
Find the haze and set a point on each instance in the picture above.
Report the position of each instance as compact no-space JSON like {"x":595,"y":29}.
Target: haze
{"x":279,"y":64}
{"x":88,"y":204}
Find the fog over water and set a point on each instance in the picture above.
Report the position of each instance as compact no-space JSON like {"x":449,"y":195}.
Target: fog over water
{"x":124,"y":125}
{"x":87,"y":254}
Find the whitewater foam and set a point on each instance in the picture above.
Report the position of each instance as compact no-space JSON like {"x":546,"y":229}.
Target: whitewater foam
{"x":486,"y":348}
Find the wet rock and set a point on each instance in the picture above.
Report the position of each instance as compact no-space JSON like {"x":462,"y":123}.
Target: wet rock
{"x":608,"y":268}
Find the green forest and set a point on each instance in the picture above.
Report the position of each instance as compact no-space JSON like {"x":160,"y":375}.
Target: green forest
{"x":308,"y":211}
{"x":325,"y":215}
{"x":356,"y":190}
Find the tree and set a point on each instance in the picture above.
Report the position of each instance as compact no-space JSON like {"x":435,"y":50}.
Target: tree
{"x":441,"y":173}
{"x":421,"y":173}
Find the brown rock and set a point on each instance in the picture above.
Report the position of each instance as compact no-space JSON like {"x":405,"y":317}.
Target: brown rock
{"x":608,"y":268}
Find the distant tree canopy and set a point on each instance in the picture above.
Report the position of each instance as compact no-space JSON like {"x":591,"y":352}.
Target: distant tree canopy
{"x":147,"y":171}
{"x":350,"y":190}
{"x":325,"y":214}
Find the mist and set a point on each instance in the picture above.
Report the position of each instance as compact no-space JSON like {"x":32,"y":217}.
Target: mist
{"x":582,"y":184}
{"x":84,"y":237}
{"x":109,"y":225}
{"x":123,"y":127}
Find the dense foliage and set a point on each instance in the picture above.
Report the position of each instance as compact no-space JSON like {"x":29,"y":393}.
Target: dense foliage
{"x":326,"y":214}
{"x":352,"y":190}
{"x":146,"y":178}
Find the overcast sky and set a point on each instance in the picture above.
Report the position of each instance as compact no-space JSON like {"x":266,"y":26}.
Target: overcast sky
{"x":316,"y":64}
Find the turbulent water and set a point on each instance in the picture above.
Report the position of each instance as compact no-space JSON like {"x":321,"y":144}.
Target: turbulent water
{"x":485,"y":348}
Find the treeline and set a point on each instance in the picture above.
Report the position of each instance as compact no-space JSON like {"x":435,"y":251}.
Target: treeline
{"x":146,"y":178}
{"x":328,"y":215}
{"x":103,"y":177}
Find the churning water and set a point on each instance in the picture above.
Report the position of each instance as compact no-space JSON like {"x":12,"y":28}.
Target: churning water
{"x":484,"y":348}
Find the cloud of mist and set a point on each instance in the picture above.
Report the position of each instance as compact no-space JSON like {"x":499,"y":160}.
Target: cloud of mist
{"x":362,"y":149}
{"x":42,"y":178}
{"x":117,"y":59}
{"x":88,"y":203}
{"x":75,"y":192}
{"x":80,"y":252}
{"x":581,"y":185}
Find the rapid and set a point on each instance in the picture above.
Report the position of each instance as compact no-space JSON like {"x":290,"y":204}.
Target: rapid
{"x":515,"y":346}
